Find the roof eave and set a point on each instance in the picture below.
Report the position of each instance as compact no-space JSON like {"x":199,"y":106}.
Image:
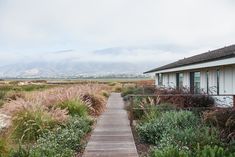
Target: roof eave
{"x":150,"y":71}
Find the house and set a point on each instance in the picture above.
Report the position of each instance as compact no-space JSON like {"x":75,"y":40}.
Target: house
{"x":212,"y":72}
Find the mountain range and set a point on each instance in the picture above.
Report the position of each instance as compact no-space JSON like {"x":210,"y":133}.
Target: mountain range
{"x":66,"y":69}
{"x":109,"y":61}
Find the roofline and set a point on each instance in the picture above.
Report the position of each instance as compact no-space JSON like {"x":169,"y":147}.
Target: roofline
{"x":214,"y":63}
{"x":156,"y":69}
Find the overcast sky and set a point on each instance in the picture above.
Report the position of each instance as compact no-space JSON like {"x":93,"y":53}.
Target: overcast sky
{"x":113,"y":30}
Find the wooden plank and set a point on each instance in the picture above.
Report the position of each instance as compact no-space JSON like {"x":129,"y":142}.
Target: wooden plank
{"x":112,"y":136}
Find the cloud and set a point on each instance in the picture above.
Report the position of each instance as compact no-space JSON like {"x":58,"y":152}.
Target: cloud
{"x":33,"y":29}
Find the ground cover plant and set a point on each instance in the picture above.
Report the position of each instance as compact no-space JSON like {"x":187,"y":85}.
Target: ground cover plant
{"x":30,"y":123}
{"x":75,"y":107}
{"x":64,"y":141}
{"x":206,"y":151}
{"x":175,"y":131}
{"x":51,"y":122}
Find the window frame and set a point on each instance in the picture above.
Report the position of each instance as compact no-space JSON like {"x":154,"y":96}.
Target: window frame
{"x":207,"y":82}
{"x":179,"y":80}
{"x":193,"y":88}
{"x":218,"y":81}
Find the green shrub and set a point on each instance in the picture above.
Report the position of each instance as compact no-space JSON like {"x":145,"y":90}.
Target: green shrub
{"x":151,"y":132}
{"x":30,"y":123}
{"x":166,"y":107}
{"x":144,"y":106}
{"x":2,"y":94}
{"x":181,"y":129}
{"x":6,"y":87}
{"x":32,"y":87}
{"x":213,"y":151}
{"x":140,"y":108}
{"x":112,"y":83}
{"x":131,"y":90}
{"x":2,"y":97}
{"x":179,"y":119}
{"x":152,"y":113}
{"x":117,"y":88}
{"x":4,"y":148}
{"x":75,"y":107}
{"x":105,"y":93}
{"x":64,"y":141}
{"x":19,"y":152}
{"x":206,"y":151}
{"x":190,"y":137}
{"x":137,"y":112}
{"x":169,"y":152}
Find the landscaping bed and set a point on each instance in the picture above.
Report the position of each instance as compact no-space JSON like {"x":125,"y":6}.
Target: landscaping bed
{"x":165,"y":129}
{"x":54,"y":122}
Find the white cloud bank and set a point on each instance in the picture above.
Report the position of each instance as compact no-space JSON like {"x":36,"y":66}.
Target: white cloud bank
{"x":30,"y":28}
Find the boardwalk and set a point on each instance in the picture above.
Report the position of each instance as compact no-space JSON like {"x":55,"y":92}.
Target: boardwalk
{"x":112,"y":136}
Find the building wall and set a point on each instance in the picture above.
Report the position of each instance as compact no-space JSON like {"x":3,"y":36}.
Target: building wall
{"x":213,"y":81}
{"x":186,"y":80}
{"x":234,"y":79}
{"x":165,"y":80}
{"x":172,"y":80}
{"x":203,"y":80}
{"x":226,"y":82}
{"x":156,"y":80}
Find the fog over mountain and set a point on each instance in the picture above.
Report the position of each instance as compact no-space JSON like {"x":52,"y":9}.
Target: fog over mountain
{"x":55,"y":69}
{"x":115,"y":60}
{"x":73,"y":63}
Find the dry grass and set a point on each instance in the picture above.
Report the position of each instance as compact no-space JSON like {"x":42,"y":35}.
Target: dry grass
{"x":91,"y":94}
{"x":97,"y":103}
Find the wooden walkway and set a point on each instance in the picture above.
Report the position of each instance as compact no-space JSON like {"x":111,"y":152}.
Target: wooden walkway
{"x":112,"y":136}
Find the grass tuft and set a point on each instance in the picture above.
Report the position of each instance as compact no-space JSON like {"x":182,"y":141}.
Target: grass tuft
{"x":75,"y":107}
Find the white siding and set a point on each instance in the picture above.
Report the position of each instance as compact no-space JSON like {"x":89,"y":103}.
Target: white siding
{"x":165,"y":80}
{"x":186,"y":80}
{"x":169,"y":80}
{"x":222,"y":81}
{"x":212,"y":81}
{"x":156,"y":80}
{"x":203,"y":81}
{"x":172,"y":80}
{"x":234,"y":79}
{"x":226,"y":82}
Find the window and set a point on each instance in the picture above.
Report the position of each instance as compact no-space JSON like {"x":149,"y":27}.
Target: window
{"x":159,"y":79}
{"x":195,"y":82}
{"x":179,"y":80}
{"x":207,"y":82}
{"x":218,"y":78}
{"x":181,"y":77}
{"x":197,"y":77}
